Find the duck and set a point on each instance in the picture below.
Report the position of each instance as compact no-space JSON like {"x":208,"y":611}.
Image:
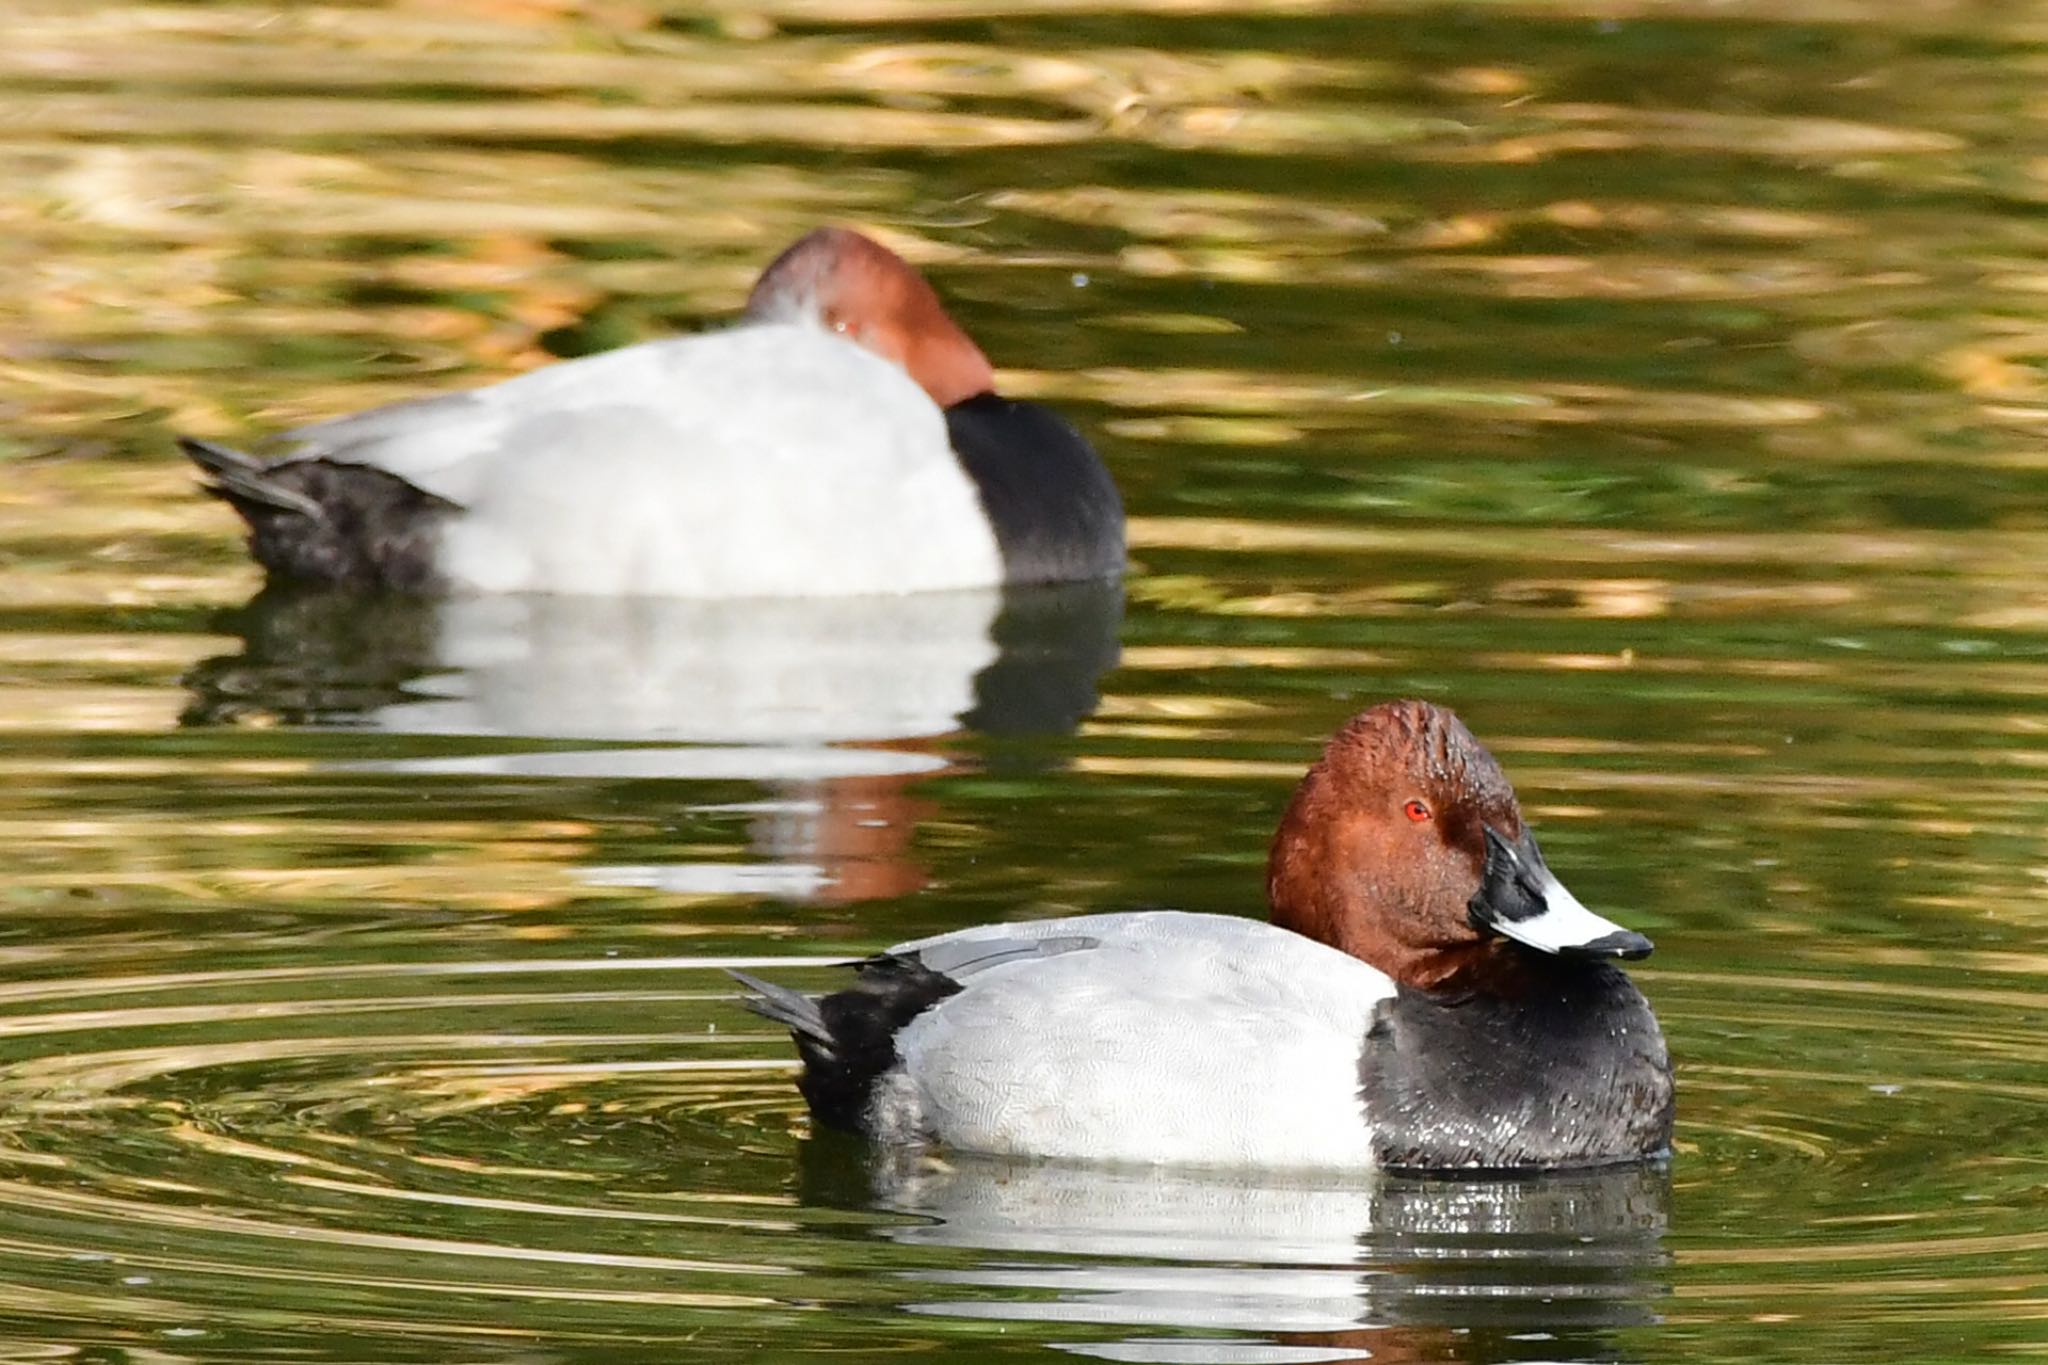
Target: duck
{"x":1426,"y":996}
{"x":844,"y":437}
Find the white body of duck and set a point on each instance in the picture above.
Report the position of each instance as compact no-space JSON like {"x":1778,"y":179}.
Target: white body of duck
{"x":1134,"y":1048}
{"x":774,"y":459}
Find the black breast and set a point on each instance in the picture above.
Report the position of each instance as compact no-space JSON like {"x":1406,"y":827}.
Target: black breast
{"x":1055,"y":510}
{"x":1572,"y":1071}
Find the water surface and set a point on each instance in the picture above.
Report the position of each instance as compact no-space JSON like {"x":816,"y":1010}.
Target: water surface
{"x":1659,"y":385}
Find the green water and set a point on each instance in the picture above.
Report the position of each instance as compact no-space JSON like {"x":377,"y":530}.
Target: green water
{"x":1661,"y":385}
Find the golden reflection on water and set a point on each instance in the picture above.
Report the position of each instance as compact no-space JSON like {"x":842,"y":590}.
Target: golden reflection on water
{"x":207,"y":172}
{"x":1373,"y":329}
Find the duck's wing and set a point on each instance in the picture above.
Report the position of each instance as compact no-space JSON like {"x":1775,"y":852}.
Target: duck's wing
{"x":962,"y":959}
{"x":772,"y":459}
{"x":1150,"y":1037}
{"x":770,"y":390}
{"x":449,"y":444}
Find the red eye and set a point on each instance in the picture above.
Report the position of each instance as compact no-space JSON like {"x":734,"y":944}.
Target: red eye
{"x":1416,"y":811}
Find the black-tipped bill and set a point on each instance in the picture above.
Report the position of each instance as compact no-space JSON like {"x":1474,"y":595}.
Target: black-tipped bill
{"x":1522,"y":899}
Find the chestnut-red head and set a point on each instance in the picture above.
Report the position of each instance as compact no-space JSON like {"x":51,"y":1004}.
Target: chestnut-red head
{"x":1404,"y":847}
{"x":858,"y":287}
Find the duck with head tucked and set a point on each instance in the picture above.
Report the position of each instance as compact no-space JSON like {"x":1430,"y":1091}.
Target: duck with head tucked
{"x":1428,"y":996}
{"x":844,"y":438}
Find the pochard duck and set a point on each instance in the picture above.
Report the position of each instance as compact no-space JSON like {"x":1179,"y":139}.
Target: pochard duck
{"x":844,"y":438}
{"x":1428,"y":996}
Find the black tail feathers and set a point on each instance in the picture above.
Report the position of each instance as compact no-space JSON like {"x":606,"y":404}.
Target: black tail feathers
{"x":244,"y":482}
{"x":320,"y":521}
{"x":848,"y":1039}
{"x":798,"y":1012}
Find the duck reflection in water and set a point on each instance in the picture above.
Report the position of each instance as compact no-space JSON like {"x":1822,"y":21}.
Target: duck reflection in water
{"x":1387,"y":1267}
{"x":833,"y":703}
